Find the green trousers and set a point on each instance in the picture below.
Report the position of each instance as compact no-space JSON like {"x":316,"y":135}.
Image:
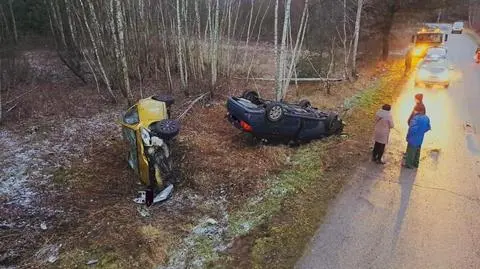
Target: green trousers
{"x":413,"y":156}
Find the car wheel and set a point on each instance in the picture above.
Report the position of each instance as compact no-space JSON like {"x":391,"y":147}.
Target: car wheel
{"x":166,"y":129}
{"x":251,"y":96}
{"x":334,"y":126}
{"x":446,"y":86}
{"x":304,"y":103}
{"x":274,"y":112}
{"x":167,"y":99}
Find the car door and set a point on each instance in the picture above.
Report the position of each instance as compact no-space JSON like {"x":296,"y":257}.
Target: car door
{"x":129,"y":121}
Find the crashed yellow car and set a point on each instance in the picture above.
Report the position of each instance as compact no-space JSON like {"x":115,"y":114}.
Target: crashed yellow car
{"x":148,"y":131}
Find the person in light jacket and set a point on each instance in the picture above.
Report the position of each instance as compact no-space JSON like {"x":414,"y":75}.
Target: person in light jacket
{"x":383,"y":124}
{"x":419,"y":125}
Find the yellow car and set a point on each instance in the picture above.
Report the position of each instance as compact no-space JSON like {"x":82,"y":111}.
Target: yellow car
{"x":148,"y":131}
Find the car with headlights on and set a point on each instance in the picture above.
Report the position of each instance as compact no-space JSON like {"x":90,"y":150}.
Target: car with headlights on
{"x":457,"y":27}
{"x":436,"y":54}
{"x":433,"y":73}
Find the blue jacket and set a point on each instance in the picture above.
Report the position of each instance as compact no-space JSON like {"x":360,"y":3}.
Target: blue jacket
{"x":419,"y":126}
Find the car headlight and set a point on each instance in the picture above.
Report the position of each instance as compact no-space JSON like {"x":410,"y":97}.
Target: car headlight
{"x":418,"y":51}
{"x":145,"y":137}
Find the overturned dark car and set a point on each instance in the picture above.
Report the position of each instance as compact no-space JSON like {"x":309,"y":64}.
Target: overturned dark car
{"x":267,"y":119}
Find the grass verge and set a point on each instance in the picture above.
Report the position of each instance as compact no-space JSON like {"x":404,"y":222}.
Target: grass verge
{"x":274,"y":229}
{"x":474,"y":35}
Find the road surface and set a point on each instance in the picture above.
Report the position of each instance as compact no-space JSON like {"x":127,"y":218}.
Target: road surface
{"x":389,"y":217}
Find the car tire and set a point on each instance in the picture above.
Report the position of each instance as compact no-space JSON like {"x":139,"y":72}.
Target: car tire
{"x":274,"y":112}
{"x":334,"y":126}
{"x":166,"y":129}
{"x":167,"y":99}
{"x":251,"y":96}
{"x":304,"y":103}
{"x":446,"y":86}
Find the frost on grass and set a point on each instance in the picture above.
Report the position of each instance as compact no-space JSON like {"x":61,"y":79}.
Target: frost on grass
{"x":259,"y":209}
{"x":205,"y":243}
{"x":18,"y":158}
{"x":211,"y":238}
{"x":30,"y":157}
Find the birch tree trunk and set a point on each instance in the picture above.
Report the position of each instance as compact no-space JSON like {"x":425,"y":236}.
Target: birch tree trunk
{"x":215,"y":45}
{"x":165,"y":50}
{"x":258,"y":38}
{"x":278,"y":79}
{"x":298,"y":45}
{"x":439,"y":16}
{"x":248,"y":31}
{"x":357,"y":36}
{"x":180,"y":50}
{"x":345,"y":51}
{"x":95,"y":49}
{"x":229,"y":28}
{"x":105,"y":78}
{"x":199,"y":40}
{"x":283,"y":52}
{"x":5,"y":23}
{"x":14,"y":23}
{"x":121,"y":39}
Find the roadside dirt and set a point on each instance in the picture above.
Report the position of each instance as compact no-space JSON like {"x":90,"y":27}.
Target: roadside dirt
{"x":280,"y":242}
{"x":66,"y":191}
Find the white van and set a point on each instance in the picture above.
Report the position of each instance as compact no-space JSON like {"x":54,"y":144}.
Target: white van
{"x":457,"y":27}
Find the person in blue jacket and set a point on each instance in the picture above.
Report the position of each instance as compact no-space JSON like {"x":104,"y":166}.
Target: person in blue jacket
{"x":419,"y":125}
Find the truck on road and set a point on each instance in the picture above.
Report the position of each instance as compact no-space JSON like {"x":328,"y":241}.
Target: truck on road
{"x":427,"y":38}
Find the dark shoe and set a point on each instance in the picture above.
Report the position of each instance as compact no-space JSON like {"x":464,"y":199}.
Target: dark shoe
{"x":380,"y":162}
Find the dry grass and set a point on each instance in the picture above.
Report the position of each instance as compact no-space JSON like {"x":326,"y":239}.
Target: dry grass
{"x":95,"y":217}
{"x":280,"y":242}
{"x":220,"y":156}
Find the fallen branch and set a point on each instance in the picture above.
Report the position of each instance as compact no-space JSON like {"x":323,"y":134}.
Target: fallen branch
{"x":10,"y":109}
{"x":191,"y":105}
{"x":21,"y":95}
{"x":298,"y":79}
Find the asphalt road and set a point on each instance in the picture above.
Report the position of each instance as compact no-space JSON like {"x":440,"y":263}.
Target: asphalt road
{"x":390,"y":217}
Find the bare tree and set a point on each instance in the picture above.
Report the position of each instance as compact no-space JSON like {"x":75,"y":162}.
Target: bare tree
{"x":278,"y":81}
{"x":180,"y":50}
{"x":296,"y":50}
{"x":356,"y":35}
{"x":121,"y":40}
{"x":14,"y":23}
{"x":215,"y":44}
{"x":283,"y":50}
